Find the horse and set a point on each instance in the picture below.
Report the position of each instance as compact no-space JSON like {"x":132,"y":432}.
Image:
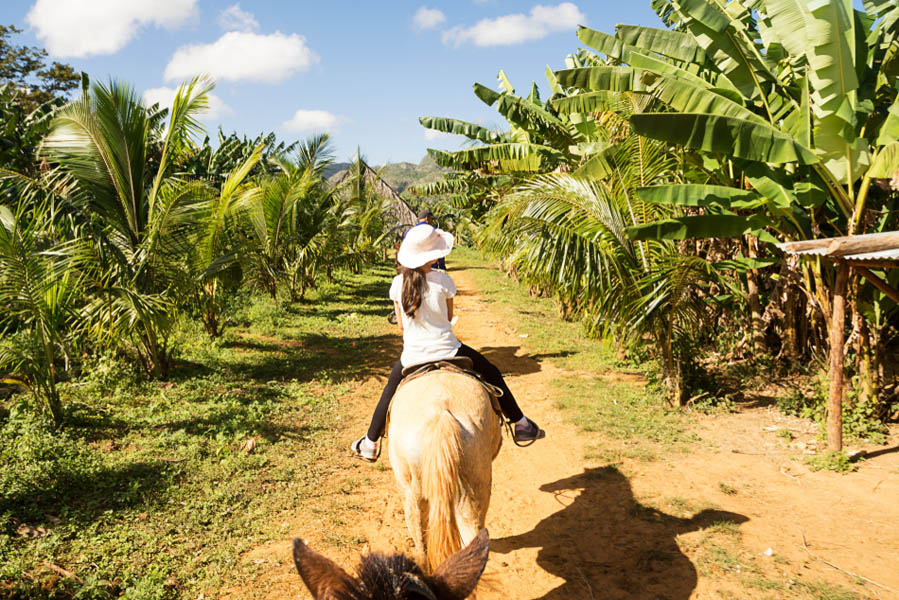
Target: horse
{"x":394,"y":577}
{"x":443,"y":436}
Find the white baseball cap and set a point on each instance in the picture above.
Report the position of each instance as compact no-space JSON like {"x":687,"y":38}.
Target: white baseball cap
{"x":424,"y":244}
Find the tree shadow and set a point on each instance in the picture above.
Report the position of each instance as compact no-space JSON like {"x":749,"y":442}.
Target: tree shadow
{"x":509,"y":361}
{"x":79,"y":494}
{"x":605,"y":544}
{"x":315,"y":356}
{"x":881,"y":452}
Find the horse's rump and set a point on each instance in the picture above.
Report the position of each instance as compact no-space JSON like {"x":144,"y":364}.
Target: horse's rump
{"x":443,"y":435}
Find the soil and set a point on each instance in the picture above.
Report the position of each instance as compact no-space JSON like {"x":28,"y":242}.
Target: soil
{"x":566,"y":527}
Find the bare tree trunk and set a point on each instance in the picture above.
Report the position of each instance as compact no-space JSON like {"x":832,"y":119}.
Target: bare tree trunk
{"x":837,"y":326}
{"x":790,"y":349}
{"x":755,"y":305}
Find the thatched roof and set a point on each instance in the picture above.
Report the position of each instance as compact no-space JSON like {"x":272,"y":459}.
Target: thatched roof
{"x":399,"y":212}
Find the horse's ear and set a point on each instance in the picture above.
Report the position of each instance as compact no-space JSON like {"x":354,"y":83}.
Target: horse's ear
{"x":323,"y":577}
{"x":458,"y":576}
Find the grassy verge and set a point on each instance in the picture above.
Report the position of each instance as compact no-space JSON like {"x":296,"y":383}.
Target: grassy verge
{"x":603,"y":396}
{"x":154,"y":489}
{"x":634,"y":424}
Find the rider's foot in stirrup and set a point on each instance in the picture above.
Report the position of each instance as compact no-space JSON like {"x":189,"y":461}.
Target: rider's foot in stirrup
{"x":526,"y":430}
{"x":365,"y":449}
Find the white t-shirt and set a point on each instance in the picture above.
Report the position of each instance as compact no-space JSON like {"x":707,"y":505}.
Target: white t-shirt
{"x":429,"y":336}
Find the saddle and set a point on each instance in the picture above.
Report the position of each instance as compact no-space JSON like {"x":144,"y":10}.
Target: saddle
{"x":455,"y":364}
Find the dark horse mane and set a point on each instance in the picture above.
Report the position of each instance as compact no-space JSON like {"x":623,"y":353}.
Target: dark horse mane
{"x":389,"y":577}
{"x":393,"y":576}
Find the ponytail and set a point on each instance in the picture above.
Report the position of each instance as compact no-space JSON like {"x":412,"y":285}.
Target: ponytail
{"x":414,"y":285}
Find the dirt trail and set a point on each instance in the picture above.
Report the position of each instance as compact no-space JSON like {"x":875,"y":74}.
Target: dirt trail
{"x":564,"y":527}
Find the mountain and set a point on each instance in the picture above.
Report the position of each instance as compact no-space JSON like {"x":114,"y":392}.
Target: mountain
{"x":403,"y":174}
{"x":399,"y":175}
{"x":335,"y":168}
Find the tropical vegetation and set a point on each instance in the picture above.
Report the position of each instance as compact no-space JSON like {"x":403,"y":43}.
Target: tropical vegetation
{"x":129,"y":226}
{"x":648,"y":193}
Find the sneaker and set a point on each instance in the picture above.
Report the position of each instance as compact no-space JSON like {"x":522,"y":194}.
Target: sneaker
{"x":363,"y":451}
{"x":527,"y":433}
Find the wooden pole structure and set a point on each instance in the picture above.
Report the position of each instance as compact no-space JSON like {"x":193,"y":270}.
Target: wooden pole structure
{"x":837,"y":326}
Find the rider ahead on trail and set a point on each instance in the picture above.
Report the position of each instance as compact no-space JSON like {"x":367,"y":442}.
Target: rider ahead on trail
{"x":423,"y":300}
{"x":426,"y":217}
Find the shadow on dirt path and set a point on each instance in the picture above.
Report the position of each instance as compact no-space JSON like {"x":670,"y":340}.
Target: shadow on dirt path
{"x":604,"y":544}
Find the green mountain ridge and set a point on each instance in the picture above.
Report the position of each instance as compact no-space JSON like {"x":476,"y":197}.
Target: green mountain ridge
{"x":400,"y":175}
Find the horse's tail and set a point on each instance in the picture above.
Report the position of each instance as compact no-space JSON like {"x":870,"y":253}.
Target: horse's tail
{"x":441,"y":456}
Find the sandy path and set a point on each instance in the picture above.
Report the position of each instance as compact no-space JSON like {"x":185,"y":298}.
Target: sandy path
{"x":563,"y":527}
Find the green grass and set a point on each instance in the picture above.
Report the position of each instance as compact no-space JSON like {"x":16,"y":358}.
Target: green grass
{"x":839,"y":462}
{"x":727,"y":489}
{"x":147,"y":493}
{"x":548,"y":337}
{"x":621,"y":409}
{"x":825,"y":591}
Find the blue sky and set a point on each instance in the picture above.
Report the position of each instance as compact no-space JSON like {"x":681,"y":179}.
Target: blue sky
{"x":365,"y":71}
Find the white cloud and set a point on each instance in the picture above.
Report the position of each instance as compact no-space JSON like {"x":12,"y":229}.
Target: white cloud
{"x":244,"y":56}
{"x":427,"y":18}
{"x":312,"y":121}
{"x":79,"y":28}
{"x":517,"y":28}
{"x":165,"y":96}
{"x":235,"y":19}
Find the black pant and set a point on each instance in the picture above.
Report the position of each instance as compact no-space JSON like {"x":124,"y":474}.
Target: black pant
{"x":483,"y":366}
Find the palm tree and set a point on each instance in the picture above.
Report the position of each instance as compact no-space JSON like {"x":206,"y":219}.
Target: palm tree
{"x":213,"y":262}
{"x":569,"y":234}
{"x":40,"y":292}
{"x":121,"y":159}
{"x":292,"y":219}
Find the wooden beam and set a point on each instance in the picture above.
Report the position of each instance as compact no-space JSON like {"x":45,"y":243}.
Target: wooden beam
{"x":872,"y":264}
{"x":837,"y":326}
{"x":847,"y":244}
{"x":857,"y":244}
{"x":879,"y":283}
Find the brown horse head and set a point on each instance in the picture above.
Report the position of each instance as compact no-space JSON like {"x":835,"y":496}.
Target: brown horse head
{"x":393,"y":577}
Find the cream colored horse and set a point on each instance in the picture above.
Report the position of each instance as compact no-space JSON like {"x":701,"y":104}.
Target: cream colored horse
{"x":443,"y":437}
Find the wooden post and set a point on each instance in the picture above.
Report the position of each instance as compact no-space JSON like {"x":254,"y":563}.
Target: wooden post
{"x":837,"y":326}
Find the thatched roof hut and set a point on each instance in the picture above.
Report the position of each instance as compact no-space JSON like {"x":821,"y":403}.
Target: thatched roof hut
{"x":398,"y":214}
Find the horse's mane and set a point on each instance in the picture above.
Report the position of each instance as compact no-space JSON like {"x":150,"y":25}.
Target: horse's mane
{"x":393,"y":576}
{"x":390,"y":577}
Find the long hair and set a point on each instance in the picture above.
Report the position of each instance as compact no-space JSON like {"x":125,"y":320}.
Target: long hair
{"x":414,"y":286}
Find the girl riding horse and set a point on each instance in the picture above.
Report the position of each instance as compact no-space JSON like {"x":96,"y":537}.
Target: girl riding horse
{"x":423,"y":300}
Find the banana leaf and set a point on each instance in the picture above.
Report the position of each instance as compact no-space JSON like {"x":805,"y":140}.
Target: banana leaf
{"x":831,"y":53}
{"x":672,"y":44}
{"x":508,"y":157}
{"x":787,"y":20}
{"x":588,"y":102}
{"x":741,"y":264}
{"x":599,"y":165}
{"x":486,"y":95}
{"x":693,"y":194}
{"x":886,"y":163}
{"x":469,"y":130}
{"x":726,"y":135}
{"x":533,"y":118}
{"x":682,"y":96}
{"x":701,"y":226}
{"x":612,"y":79}
{"x":889,"y":131}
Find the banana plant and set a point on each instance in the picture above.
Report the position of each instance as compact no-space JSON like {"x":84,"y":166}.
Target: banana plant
{"x":786,"y":110}
{"x":802,"y":94}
